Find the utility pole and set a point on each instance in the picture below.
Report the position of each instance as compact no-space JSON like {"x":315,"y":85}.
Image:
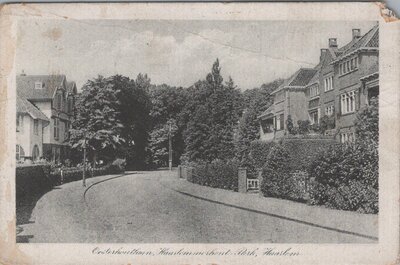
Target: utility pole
{"x":170,"y":145}
{"x":84,"y":163}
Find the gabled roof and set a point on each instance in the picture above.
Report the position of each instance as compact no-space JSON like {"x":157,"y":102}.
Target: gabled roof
{"x":267,"y":112}
{"x":368,"y":40}
{"x":303,"y":76}
{"x":26,"y":86}
{"x":24,"y":106}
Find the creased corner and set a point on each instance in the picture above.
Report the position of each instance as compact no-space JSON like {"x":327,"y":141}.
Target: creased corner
{"x":387,"y":14}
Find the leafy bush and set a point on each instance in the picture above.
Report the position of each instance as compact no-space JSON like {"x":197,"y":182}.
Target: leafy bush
{"x":346,"y":178}
{"x":304,"y":126}
{"x":259,"y":152}
{"x":278,"y":180}
{"x":217,"y":174}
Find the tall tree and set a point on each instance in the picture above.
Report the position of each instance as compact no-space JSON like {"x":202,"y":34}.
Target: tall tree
{"x":212,"y":115}
{"x":256,"y":101}
{"x":97,"y":123}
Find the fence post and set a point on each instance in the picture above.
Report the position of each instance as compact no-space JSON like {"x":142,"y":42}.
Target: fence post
{"x":242,"y":179}
{"x":189,"y":174}
{"x":61,"y":176}
{"x":260,"y":181}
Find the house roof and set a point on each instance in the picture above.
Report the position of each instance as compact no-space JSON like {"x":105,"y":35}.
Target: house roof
{"x":24,"y":106}
{"x":368,"y":40}
{"x":303,"y":76}
{"x":267,"y":112}
{"x":26,"y":86}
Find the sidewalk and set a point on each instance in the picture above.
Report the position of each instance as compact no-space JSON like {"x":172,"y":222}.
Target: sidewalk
{"x":351,"y":223}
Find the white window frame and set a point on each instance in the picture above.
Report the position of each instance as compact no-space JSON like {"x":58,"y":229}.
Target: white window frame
{"x":348,"y":102}
{"x":328,"y":83}
{"x":311,"y":117}
{"x":278,"y":122}
{"x":329,"y":111}
{"x":20,"y":123}
{"x":56,"y":132}
{"x":36,"y":127}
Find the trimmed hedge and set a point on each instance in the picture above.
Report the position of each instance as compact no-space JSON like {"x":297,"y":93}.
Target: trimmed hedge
{"x":32,"y":179}
{"x":286,"y":164}
{"x":303,"y":151}
{"x":217,"y":174}
{"x":278,"y":179}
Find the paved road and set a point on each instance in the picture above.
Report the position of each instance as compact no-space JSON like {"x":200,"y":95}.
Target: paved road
{"x":141,"y":208}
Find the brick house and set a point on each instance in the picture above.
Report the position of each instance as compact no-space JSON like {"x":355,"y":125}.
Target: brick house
{"x":54,"y":98}
{"x":337,"y":87}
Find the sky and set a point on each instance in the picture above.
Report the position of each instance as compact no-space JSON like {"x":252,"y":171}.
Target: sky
{"x":177,"y":53}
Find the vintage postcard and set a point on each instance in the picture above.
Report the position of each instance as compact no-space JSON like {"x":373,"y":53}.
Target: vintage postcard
{"x":199,"y":133}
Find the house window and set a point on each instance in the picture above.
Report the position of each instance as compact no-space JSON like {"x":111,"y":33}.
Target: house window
{"x":328,"y":83}
{"x":56,"y":128}
{"x":20,"y":154}
{"x":279,"y":121}
{"x":70,"y":105}
{"x":20,"y":123}
{"x":314,"y":117}
{"x":59,"y":101}
{"x":38,"y":85}
{"x":35,"y":153}
{"x":329,"y":111}
{"x":349,"y":65}
{"x":347,"y":137}
{"x":36,"y":127}
{"x":314,"y":91}
{"x":348,"y":102}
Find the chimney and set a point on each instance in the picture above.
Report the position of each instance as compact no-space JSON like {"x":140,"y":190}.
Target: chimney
{"x":23,"y":73}
{"x":332,"y":43}
{"x":323,"y":52}
{"x":356,"y":33}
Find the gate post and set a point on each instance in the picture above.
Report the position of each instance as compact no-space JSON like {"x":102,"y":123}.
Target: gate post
{"x":189,"y":174}
{"x":260,"y":181}
{"x":242,"y":180}
{"x":179,"y":171}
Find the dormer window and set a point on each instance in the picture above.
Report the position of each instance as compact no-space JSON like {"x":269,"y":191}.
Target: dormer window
{"x":38,"y":85}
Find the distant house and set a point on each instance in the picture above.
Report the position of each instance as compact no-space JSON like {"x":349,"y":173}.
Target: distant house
{"x":342,"y":83}
{"x":49,"y":101}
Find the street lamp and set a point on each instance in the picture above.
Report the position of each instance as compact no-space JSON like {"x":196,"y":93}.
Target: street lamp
{"x":84,"y":163}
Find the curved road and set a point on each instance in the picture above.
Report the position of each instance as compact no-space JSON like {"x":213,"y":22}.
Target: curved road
{"x":141,"y":208}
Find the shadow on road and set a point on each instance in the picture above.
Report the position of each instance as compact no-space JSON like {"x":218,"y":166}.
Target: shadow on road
{"x":24,"y":207}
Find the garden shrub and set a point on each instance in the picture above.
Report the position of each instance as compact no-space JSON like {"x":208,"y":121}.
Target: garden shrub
{"x":346,"y":178}
{"x":278,"y":180}
{"x":217,"y":174}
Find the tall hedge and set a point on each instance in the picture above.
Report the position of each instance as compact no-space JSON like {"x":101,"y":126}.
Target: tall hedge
{"x":278,"y":178}
{"x":217,"y":174}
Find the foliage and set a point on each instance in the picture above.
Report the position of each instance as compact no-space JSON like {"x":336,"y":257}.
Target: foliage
{"x":289,"y":124}
{"x":367,"y":122}
{"x":255,"y":100}
{"x":303,"y":126}
{"x":211,"y":115}
{"x":277,"y":178}
{"x":97,"y":122}
{"x":259,"y":152}
{"x":167,"y":106}
{"x":216,"y":174}
{"x":326,"y":123}
{"x":346,"y":178}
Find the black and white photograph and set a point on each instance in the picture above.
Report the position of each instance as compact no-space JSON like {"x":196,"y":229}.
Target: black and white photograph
{"x":197,"y":131}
